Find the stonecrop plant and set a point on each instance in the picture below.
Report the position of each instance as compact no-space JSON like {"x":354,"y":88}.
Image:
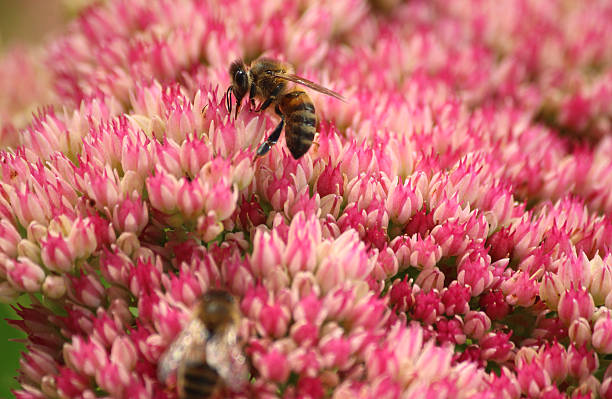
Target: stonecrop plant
{"x":448,"y":235}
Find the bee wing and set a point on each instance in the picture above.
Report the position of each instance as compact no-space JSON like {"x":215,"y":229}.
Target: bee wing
{"x":189,"y":344}
{"x":224,"y":354}
{"x":305,"y":82}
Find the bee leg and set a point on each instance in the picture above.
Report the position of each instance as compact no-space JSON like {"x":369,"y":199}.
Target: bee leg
{"x":272,"y":97}
{"x":252,"y":96}
{"x":273,"y":138}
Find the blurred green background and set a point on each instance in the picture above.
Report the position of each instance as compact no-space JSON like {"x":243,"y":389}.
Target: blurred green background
{"x":10,"y":352}
{"x":23,"y":22}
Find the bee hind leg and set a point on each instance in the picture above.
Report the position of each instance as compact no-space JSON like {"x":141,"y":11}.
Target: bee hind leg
{"x":273,"y":138}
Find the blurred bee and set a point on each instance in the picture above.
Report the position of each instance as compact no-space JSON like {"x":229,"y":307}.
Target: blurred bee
{"x":206,"y":355}
{"x":269,"y":80}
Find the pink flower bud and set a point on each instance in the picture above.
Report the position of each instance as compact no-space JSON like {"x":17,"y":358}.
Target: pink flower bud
{"x":602,"y":335}
{"x":162,"y":189}
{"x":85,"y":355}
{"x":330,"y":181}
{"x":553,"y":359}
{"x":427,"y":306}
{"x":194,"y":154}
{"x":501,"y":244}
{"x":115,"y":266}
{"x":221,"y":199}
{"x":87,"y":289}
{"x":300,"y":252}
{"x":475,"y":274}
{"x":579,"y":331}
{"x":476,"y":324}
{"x":605,"y":390}
{"x":601,"y":283}
{"x":455,"y":299}
{"x":450,"y":330}
{"x":496,"y":346}
{"x":272,"y":365}
{"x":71,"y":383}
{"x":582,"y":362}
{"x":304,"y":333}
{"x":9,"y":238}
{"x":521,"y":289}
{"x":35,"y":364}
{"x":575,"y":303}
{"x":25,"y":275}
{"x":310,"y":387}
{"x":28,"y":206}
{"x":273,"y":320}
{"x":408,"y":251}
{"x":267,"y":251}
{"x":452,"y":238}
{"x":113,"y":378}
{"x":532,"y":379}
{"x":54,"y":286}
{"x":190,"y":197}
{"x":124,"y":353}
{"x":136,"y":154}
{"x":250,"y":213}
{"x":551,"y":290}
{"x":28,"y":249}
{"x":524,"y":356}
{"x":82,"y":238}
{"x":105,"y":328}
{"x":169,"y":157}
{"x":401,"y":296}
{"x":130,"y":215}
{"x":336,"y":352}
{"x":495,"y":305}
{"x":430,"y":278}
{"x":56,"y":253}
{"x":402,"y":202}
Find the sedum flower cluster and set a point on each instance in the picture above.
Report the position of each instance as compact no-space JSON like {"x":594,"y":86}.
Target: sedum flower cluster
{"x":449,"y":235}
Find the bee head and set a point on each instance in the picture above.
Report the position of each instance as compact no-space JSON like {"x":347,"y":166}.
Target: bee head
{"x":240,"y":84}
{"x":218,"y":309}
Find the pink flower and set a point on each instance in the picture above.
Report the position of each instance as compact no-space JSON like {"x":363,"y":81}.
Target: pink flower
{"x":581,"y":361}
{"x":462,"y":191}
{"x":553,"y":359}
{"x":25,"y":275}
{"x":476,"y":324}
{"x":602,"y":335}
{"x":272,"y":365}
{"x":533,"y":379}
{"x":579,"y":331}
{"x":496,"y":346}
{"x":495,"y":305}
{"x":575,"y":303}
{"x":131,"y":216}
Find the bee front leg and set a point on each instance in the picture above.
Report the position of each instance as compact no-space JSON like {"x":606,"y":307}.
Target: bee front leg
{"x":273,"y":138}
{"x":252,"y":96}
{"x":272,"y":97}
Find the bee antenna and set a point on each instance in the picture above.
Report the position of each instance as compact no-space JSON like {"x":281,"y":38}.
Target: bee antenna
{"x":228,"y":99}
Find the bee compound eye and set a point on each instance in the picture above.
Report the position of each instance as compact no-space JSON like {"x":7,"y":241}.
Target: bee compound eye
{"x":240,"y":78}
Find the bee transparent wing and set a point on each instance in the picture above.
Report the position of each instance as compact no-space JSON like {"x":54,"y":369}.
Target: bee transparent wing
{"x":305,"y":82}
{"x":224,"y":354}
{"x":189,"y":344}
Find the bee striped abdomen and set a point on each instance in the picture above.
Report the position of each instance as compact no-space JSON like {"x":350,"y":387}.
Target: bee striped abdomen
{"x":199,"y":381}
{"x":300,"y":121}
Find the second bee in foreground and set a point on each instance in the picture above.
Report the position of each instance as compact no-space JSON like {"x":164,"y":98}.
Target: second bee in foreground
{"x":206,"y":355}
{"x":270,"y":81}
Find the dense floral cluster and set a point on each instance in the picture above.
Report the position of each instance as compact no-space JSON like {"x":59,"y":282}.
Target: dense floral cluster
{"x":449,"y":235}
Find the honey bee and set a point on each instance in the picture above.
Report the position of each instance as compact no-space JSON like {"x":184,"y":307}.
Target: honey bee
{"x":269,"y":81}
{"x":206,"y":355}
